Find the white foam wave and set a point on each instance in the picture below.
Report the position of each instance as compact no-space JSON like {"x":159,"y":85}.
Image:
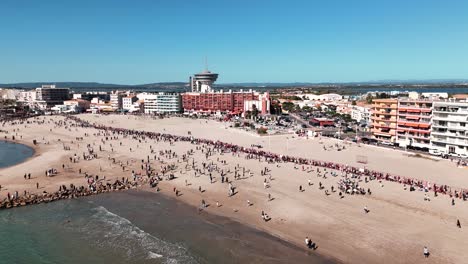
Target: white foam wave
{"x":112,"y":230}
{"x":152,"y":255}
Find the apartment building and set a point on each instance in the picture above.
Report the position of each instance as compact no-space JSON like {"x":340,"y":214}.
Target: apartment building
{"x":414,"y":123}
{"x":162,"y":103}
{"x":128,"y":101}
{"x":44,"y":97}
{"x":449,"y":133}
{"x":116,"y":100}
{"x":361,"y":114}
{"x":51,"y":95}
{"x":384,"y":120}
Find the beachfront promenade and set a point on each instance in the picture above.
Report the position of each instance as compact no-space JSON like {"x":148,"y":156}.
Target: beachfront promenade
{"x":295,"y":191}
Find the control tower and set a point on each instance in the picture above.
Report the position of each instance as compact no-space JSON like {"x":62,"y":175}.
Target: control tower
{"x":202,"y":82}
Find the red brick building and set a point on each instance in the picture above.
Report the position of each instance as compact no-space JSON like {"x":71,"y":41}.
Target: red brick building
{"x":232,"y":102}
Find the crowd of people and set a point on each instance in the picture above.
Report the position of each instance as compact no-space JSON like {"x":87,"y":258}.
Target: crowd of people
{"x":270,"y":157}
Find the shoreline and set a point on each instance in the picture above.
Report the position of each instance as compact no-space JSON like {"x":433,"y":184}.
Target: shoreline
{"x":34,"y":148}
{"x":218,"y":219}
{"x":204,"y":214}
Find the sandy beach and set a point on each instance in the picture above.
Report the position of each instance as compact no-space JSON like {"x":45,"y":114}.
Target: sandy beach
{"x":399,"y":224}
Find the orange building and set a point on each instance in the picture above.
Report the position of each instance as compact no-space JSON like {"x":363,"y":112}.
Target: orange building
{"x":414,"y":123}
{"x":384,"y":120}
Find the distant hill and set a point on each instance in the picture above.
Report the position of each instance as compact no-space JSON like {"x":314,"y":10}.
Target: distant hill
{"x":180,"y":86}
{"x":61,"y":84}
{"x":366,"y":83}
{"x":84,"y":85}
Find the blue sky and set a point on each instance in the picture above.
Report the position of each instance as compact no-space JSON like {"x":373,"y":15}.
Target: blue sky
{"x":133,"y":42}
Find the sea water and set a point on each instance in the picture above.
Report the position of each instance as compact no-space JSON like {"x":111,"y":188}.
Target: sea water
{"x":12,"y":153}
{"x":135,"y":227}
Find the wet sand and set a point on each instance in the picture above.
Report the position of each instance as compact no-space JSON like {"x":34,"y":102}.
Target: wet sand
{"x":213,"y":239}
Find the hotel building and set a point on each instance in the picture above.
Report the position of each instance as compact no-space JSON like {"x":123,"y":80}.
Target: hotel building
{"x":44,"y":97}
{"x":449,"y":133}
{"x":203,"y":98}
{"x":414,"y":123}
{"x":224,"y":102}
{"x":384,"y":120}
{"x":162,"y":103}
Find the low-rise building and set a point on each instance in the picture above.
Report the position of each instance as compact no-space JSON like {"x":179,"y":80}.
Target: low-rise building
{"x":322,"y":97}
{"x":321,"y":122}
{"x":80,"y":104}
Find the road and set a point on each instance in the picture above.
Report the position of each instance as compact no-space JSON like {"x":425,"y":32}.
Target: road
{"x":299,"y":119}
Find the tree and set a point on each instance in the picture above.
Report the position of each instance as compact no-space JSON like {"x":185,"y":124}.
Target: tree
{"x":369,"y":98}
{"x":288,"y":106}
{"x":307,"y":108}
{"x":262,"y":130}
{"x":254,"y":111}
{"x":248,"y":114}
{"x":275,"y":109}
{"x":353,"y":102}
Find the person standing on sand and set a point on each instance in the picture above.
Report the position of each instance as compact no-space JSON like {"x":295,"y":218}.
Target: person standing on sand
{"x":307,"y":241}
{"x":458,"y":223}
{"x":426,"y":252}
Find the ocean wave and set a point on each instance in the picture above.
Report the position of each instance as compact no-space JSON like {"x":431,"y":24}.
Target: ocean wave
{"x":107,"y":229}
{"x":152,"y":255}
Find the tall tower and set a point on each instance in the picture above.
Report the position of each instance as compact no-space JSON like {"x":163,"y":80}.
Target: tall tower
{"x":203,"y":82}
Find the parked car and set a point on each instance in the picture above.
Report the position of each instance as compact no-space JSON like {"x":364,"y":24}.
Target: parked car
{"x":435,"y":152}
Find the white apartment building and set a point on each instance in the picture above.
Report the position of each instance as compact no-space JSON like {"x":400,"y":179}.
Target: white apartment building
{"x":116,"y":100}
{"x":361,"y":114}
{"x":162,"y":103}
{"x":128,"y":101}
{"x":449,"y":133}
{"x":262,"y":104}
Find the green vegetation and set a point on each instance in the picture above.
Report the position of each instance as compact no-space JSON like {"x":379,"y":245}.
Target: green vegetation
{"x":288,"y":106}
{"x":262,"y":130}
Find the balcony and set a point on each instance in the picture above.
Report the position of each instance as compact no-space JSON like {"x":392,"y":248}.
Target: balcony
{"x":378,"y":112}
{"x":450,"y":118}
{"x":462,"y":128}
{"x":383,"y":125}
{"x":384,"y":106}
{"x":449,"y":134}
{"x":386,"y":119}
{"x":450,"y":140}
{"x":408,"y":130}
{"x":451,"y":111}
{"x":380,"y":132}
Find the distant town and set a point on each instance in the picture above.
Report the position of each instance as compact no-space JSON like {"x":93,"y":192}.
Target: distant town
{"x":393,"y":114}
